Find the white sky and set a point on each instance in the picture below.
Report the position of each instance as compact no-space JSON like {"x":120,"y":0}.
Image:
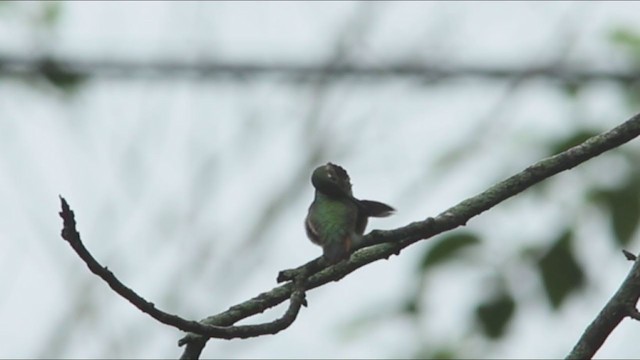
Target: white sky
{"x":167,"y":175}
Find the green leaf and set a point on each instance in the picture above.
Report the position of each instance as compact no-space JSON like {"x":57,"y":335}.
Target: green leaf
{"x":625,"y":211}
{"x":495,"y":314}
{"x":572,"y":88}
{"x":623,"y":204}
{"x":51,"y":11}
{"x":561,"y":273}
{"x":411,"y":307}
{"x":625,"y":36}
{"x":447,"y":248}
{"x":63,"y":78}
{"x":629,"y":40}
{"x":441,"y":353}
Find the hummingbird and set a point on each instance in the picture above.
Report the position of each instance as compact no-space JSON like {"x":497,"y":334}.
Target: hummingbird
{"x":336,"y":219}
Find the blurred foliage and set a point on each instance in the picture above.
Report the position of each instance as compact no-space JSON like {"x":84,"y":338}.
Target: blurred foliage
{"x":45,"y":16}
{"x":560,"y":271}
{"x":60,"y":77}
{"x":67,"y":80}
{"x":629,"y":40}
{"x":447,"y":247}
{"x":38,"y":14}
{"x":570,"y":141}
{"x":623,"y":205}
{"x":557,"y":265}
{"x":442,"y":352}
{"x":622,"y":202}
{"x":410,"y":306}
{"x":8,"y":4}
{"x":572,"y":88}
{"x":50,"y":12}
{"x":495,"y":313}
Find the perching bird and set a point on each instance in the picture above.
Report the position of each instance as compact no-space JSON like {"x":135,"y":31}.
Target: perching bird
{"x":336,"y":220}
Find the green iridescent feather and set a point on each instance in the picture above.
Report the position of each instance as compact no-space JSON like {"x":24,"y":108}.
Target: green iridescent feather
{"x":337,"y":220}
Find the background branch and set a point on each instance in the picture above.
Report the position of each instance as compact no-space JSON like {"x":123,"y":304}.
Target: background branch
{"x":622,"y":304}
{"x":296,"y":72}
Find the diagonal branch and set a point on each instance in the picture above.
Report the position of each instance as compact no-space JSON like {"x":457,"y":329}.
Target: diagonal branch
{"x":621,"y":305}
{"x":377,"y":245}
{"x":296,"y":294}
{"x":459,"y":214}
{"x":380,"y":244}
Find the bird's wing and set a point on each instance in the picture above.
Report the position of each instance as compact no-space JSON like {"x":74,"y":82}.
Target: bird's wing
{"x":312,"y":232}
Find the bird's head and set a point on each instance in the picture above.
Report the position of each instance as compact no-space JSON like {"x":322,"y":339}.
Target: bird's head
{"x":332,"y":180}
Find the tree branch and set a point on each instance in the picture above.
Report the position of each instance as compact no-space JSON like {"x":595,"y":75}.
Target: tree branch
{"x":459,"y":214}
{"x":297,"y":296}
{"x":377,"y":244}
{"x":380,"y":244}
{"x":622,"y":304}
{"x":22,"y":65}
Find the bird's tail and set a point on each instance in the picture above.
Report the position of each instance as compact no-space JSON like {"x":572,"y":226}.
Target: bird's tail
{"x":375,"y":208}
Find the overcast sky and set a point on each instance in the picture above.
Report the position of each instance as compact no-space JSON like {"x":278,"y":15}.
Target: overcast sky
{"x":169,"y":175}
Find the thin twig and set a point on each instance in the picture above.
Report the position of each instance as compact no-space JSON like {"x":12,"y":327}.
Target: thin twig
{"x":622,"y":304}
{"x":629,"y":255}
{"x":297,"y":295}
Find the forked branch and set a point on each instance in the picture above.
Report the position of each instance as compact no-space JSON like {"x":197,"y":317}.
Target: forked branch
{"x":377,"y":245}
{"x":621,"y":305}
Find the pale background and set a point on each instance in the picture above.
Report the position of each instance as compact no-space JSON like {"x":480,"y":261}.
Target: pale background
{"x":192,"y":189}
